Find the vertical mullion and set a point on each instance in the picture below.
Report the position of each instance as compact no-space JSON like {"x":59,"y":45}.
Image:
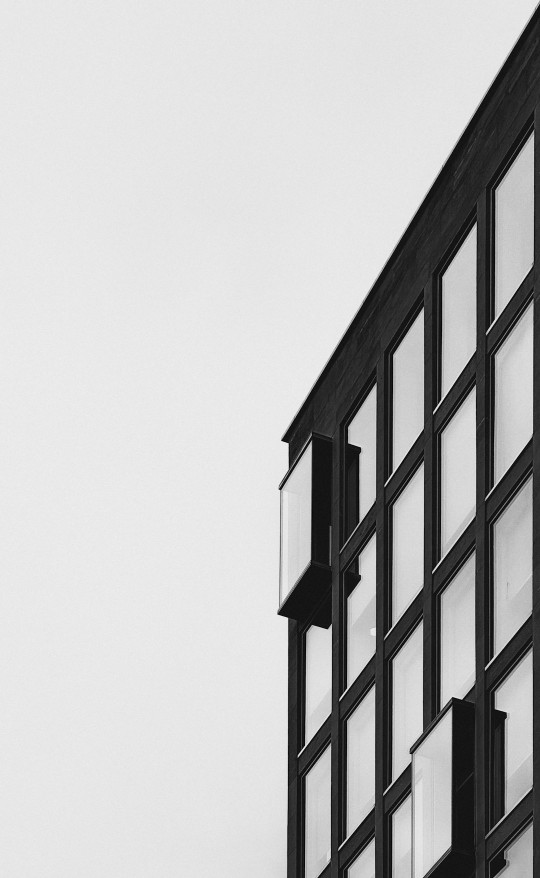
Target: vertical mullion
{"x":381,"y":696}
{"x":430,"y":372}
{"x":336,"y":756}
{"x":295,"y":832}
{"x":536,"y":499}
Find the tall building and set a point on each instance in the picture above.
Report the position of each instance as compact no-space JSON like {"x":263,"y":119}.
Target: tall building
{"x":409,"y":564}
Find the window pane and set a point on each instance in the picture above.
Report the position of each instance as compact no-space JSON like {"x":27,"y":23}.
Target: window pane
{"x":458,"y":640}
{"x":458,"y":312}
{"x":295,"y":523}
{"x":317,"y":825}
{"x":517,"y":859}
{"x":408,"y":544}
{"x":364,"y":865}
{"x":401,"y":840}
{"x":512,"y":567}
{"x":407,"y":700}
{"x":514,"y":393}
{"x":458,"y":473}
{"x":408,"y":391}
{"x":514,"y":226}
{"x":514,"y":699}
{"x":361,"y":761}
{"x":318,"y":704}
{"x":360,"y":461}
{"x":361,"y":612}
{"x":432,"y":797}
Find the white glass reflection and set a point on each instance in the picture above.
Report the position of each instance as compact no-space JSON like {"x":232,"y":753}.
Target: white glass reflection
{"x":458,"y":473}
{"x":512,"y":567}
{"x":457,"y":634}
{"x":407,"y":700}
{"x":518,"y":857}
{"x":401,"y":840}
{"x":317,"y":816}
{"x":318,"y":646}
{"x":514,"y":226}
{"x":514,"y":698}
{"x":295,"y":523}
{"x":361,"y":619}
{"x":432,"y":797}
{"x":364,"y":865}
{"x":458,"y":312}
{"x":408,"y":544}
{"x":408,"y":391}
{"x":361,"y":761}
{"x":361,"y":461}
{"x":514,"y":393}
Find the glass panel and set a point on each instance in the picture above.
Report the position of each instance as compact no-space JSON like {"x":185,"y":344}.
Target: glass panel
{"x":318,"y":704}
{"x":407,"y":700}
{"x":514,"y":393}
{"x":361,"y":602}
{"x":458,"y":640}
{"x":514,"y":699}
{"x":364,"y":865}
{"x":361,"y":761}
{"x":317,"y":825}
{"x":408,"y":544}
{"x":458,"y":312}
{"x":361,"y":462}
{"x":458,"y":473}
{"x":432,"y":797}
{"x":408,"y":391}
{"x":512,"y":567}
{"x":401,"y":840}
{"x":517,"y":859}
{"x":514,"y":226}
{"x":295,"y":523}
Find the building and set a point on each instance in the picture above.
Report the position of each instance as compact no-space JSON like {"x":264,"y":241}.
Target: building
{"x":407,"y":541}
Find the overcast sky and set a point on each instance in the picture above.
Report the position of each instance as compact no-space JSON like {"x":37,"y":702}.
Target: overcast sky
{"x":195,"y":199}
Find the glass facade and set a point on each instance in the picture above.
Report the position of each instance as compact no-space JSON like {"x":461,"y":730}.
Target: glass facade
{"x":408,"y":391}
{"x":402,"y":840}
{"x":361,"y":461}
{"x":458,"y":312}
{"x":458,"y":473}
{"x":407,"y":700}
{"x":295,"y":552}
{"x":458,"y":635}
{"x":361,"y":611}
{"x":513,"y":420}
{"x":360,"y":737}
{"x":408,"y":544}
{"x":517,"y":858}
{"x":317,"y":816}
{"x":432,"y":797}
{"x":318,"y":689}
{"x":513,"y":704}
{"x":364,"y":865}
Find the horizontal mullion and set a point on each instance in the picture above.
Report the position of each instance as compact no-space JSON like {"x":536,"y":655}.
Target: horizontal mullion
{"x":512,"y":479}
{"x":509,"y":826}
{"x":509,"y":655}
{"x":357,"y":840}
{"x":398,"y":790}
{"x":313,"y":749}
{"x":404,"y":626}
{"x":455,"y":556}
{"x":358,"y":688}
{"x":359,"y":536}
{"x":504,"y":321}
{"x":402,"y":474}
{"x":451,"y":400}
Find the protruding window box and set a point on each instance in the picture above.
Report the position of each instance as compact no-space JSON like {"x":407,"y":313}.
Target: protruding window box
{"x":443,"y":795}
{"x":304,"y":568}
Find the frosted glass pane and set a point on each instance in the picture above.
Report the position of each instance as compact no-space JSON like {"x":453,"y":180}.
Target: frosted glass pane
{"x":317,"y":816}
{"x":361,"y":761}
{"x":432,"y":797}
{"x":318,"y":704}
{"x":458,"y":473}
{"x":401,"y":841}
{"x":295,"y":524}
{"x":514,"y":226}
{"x":408,"y":544}
{"x":458,"y":312}
{"x":519,"y":857}
{"x":514,"y":697}
{"x":408,"y":391}
{"x":512,"y":567}
{"x":361,"y":619}
{"x":364,"y":865}
{"x":458,"y":640}
{"x":361,"y":461}
{"x":407,"y":700}
{"x":514,"y":394}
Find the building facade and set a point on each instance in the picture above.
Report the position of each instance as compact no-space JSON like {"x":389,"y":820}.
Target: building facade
{"x":410,"y":536}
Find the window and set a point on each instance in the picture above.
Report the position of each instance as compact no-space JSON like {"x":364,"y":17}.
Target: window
{"x":317,"y":816}
{"x":458,"y":312}
{"x":516,"y":861}
{"x":512,"y":567}
{"x":360,"y":582}
{"x":360,"y":455}
{"x":458,"y":638}
{"x":432,"y":797}
{"x":361,"y":761}
{"x":512,"y":730}
{"x":407,"y":700}
{"x":401,"y":840}
{"x":514,"y":394}
{"x":458,"y":473}
{"x":408,"y":391}
{"x":296,"y":523}
{"x":364,"y":865}
{"x":514,"y":226}
{"x":318,"y":690}
{"x":408,"y":544}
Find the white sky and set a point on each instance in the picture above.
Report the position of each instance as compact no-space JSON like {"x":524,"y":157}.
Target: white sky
{"x":195,"y":198}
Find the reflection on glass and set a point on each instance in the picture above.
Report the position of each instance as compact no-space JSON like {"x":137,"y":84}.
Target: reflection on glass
{"x":457,"y":634}
{"x":458,"y":473}
{"x":458,"y":312}
{"x":408,"y":544}
{"x":364,"y":865}
{"x":517,"y":859}
{"x":295,"y":523}
{"x":514,"y":226}
{"x":513,"y":699}
{"x":407,"y":700}
{"x":361,"y":611}
{"x":514,"y":393}
{"x":401,"y":840}
{"x":432,"y":797}
{"x":317,"y":816}
{"x":361,"y":761}
{"x":408,"y":391}
{"x":512,"y":567}
{"x":360,"y":461}
{"x":318,"y":646}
